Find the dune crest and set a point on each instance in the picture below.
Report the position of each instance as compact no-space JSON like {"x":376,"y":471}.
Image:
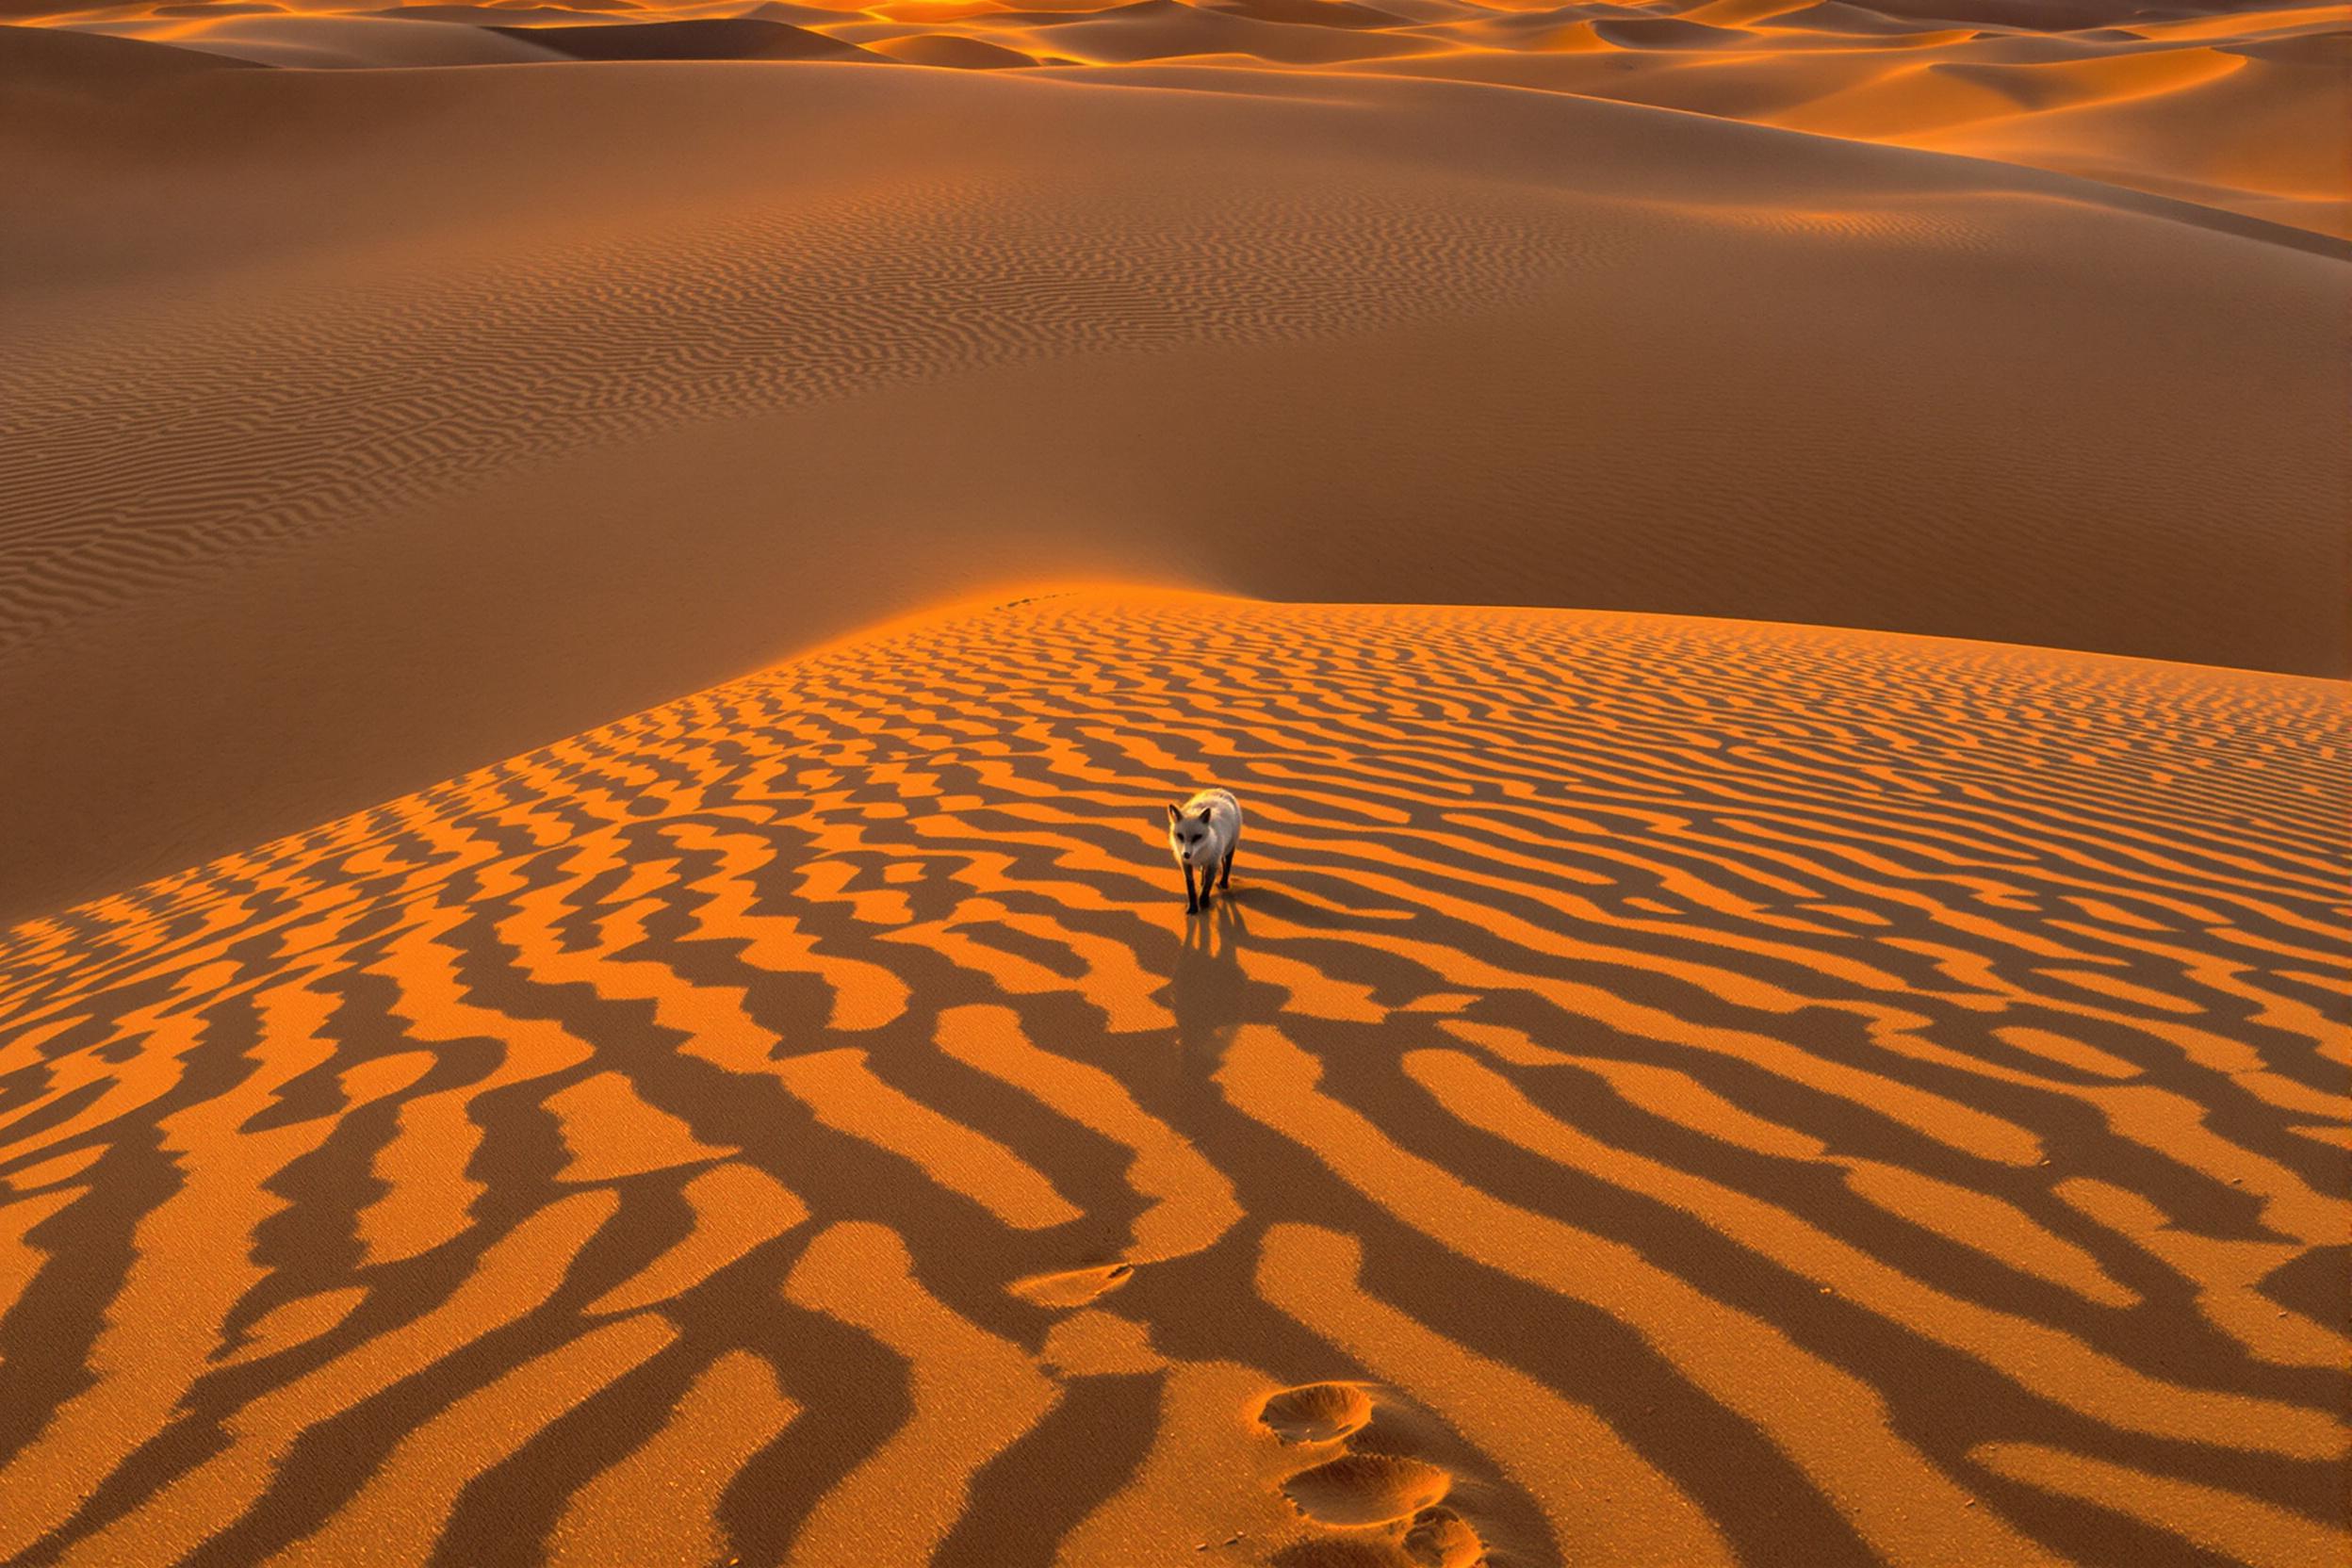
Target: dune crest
{"x":2238,"y":106}
{"x":352,"y":410}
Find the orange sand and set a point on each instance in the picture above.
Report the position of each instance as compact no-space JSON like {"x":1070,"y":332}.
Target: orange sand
{"x":1661,"y":1091}
{"x":368,"y":425}
{"x":2238,"y":106}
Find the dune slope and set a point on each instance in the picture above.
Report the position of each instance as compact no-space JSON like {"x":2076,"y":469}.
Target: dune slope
{"x":355,"y":410}
{"x":1659,"y":1090}
{"x":2237,"y":105}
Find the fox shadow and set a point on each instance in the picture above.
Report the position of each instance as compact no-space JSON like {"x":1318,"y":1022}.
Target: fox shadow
{"x":1208,"y":988}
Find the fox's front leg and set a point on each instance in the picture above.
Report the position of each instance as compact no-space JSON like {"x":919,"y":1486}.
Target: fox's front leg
{"x":1192,"y":900}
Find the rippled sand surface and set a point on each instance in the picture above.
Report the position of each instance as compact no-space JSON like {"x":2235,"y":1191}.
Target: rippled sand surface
{"x":366,"y":425}
{"x":1659,"y":1090}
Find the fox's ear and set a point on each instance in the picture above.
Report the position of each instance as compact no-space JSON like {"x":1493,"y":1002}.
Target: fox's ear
{"x":1204,"y":813}
{"x":1175,"y":813}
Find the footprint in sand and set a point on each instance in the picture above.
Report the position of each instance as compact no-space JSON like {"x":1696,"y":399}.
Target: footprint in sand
{"x":1440,"y":1538}
{"x":1367,"y":1489}
{"x":1437,"y":1538}
{"x":1315,"y":1412}
{"x":1340,"y":1554}
{"x":1384,"y":1507}
{"x":1072,"y":1287}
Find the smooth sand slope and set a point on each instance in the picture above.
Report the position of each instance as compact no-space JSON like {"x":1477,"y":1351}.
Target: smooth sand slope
{"x":2240,"y":105}
{"x":369,"y":425}
{"x":1661,"y":1091}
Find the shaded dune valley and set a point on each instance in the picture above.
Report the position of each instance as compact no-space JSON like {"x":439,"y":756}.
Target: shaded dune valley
{"x":1659,"y":1091}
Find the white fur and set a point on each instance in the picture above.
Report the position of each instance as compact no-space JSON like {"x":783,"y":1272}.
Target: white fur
{"x":1204,"y":833}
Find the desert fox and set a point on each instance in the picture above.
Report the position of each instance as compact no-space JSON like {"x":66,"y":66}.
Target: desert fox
{"x":1202,"y":833}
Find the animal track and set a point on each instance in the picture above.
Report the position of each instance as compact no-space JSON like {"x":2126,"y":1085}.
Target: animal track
{"x":1316,"y":1412}
{"x":1392,"y":1493}
{"x":1367,"y":1489}
{"x":1437,"y":1538}
{"x":1440,"y":1538}
{"x":1072,"y":1287}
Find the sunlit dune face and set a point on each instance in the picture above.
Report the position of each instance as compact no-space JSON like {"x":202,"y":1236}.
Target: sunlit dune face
{"x":1659,"y":1091}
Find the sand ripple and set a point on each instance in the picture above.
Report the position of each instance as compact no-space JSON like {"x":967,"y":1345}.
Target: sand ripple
{"x":1662,"y":1091}
{"x":188,"y":432}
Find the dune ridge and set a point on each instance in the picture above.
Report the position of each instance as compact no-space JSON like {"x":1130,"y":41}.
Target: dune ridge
{"x":2238,"y":106}
{"x":297,"y":355}
{"x":1888,"y":1095}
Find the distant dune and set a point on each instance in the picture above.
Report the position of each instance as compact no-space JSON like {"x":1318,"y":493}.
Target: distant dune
{"x":48,"y":61}
{"x":368,"y":425}
{"x":1659,"y":1091}
{"x":959,"y":53}
{"x":348,"y":43}
{"x":717,"y":38}
{"x":2240,"y":106}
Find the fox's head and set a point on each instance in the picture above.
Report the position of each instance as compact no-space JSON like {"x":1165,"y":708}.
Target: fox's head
{"x":1190,"y":837}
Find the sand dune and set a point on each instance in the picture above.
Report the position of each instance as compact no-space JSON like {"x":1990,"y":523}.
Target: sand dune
{"x":2125,"y":93}
{"x":716,"y":38}
{"x":2258,"y":128}
{"x":1662,"y":1090}
{"x":1665,"y":1087}
{"x":45,"y":61}
{"x":1166,"y":29}
{"x":957,"y":54}
{"x":1692,"y":1075}
{"x":2046,"y":86}
{"x":348,"y":43}
{"x":440,"y":376}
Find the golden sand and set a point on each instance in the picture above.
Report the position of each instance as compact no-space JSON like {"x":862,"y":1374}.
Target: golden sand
{"x":1659,"y":1091}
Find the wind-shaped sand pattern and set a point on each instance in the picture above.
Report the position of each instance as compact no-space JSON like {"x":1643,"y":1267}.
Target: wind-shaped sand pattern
{"x":1657,"y":1091}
